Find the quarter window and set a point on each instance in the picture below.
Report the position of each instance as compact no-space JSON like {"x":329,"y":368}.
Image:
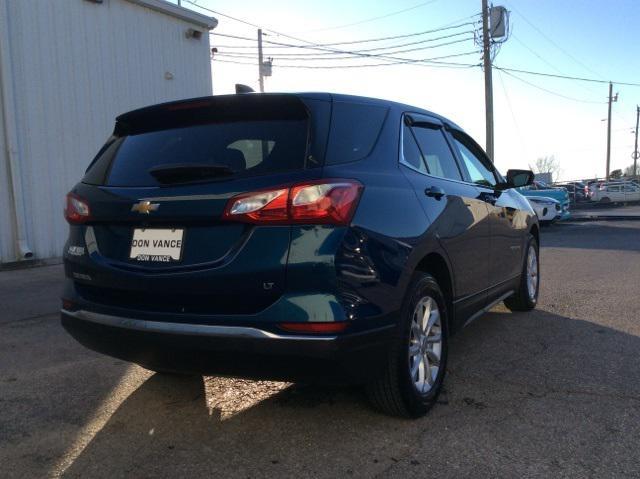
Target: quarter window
{"x":410,"y":151}
{"x":479,"y":172}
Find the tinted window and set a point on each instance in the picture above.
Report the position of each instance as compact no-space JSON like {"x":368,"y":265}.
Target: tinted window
{"x":479,"y":172}
{"x":410,"y":151}
{"x":354,"y":131}
{"x":246,"y":147}
{"x":254,"y":151}
{"x":436,"y":152}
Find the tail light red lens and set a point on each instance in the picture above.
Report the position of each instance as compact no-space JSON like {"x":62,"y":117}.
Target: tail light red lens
{"x":77,"y":209}
{"x":69,"y":305}
{"x":314,"y":202}
{"x":315,"y":328}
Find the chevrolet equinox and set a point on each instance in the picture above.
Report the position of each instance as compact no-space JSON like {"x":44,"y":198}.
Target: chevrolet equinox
{"x":294,"y":237}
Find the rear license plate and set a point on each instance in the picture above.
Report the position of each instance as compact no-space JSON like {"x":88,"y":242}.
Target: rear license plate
{"x":156,"y":245}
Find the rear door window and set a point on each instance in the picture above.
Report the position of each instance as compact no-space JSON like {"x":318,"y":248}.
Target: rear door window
{"x":436,"y":152}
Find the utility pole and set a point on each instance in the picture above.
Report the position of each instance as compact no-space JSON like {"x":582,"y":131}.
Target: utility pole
{"x":611,"y":100}
{"x":260,"y":67}
{"x":635,"y":150}
{"x":488,"y":80}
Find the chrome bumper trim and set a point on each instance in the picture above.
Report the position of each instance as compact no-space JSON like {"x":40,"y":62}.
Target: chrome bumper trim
{"x":187,"y":328}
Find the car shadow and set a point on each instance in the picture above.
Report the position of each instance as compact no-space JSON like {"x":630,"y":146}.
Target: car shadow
{"x":620,"y":236}
{"x":535,"y":392}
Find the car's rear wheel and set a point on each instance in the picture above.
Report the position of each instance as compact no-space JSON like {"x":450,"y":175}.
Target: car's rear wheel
{"x":417,"y":361}
{"x":526,"y":297}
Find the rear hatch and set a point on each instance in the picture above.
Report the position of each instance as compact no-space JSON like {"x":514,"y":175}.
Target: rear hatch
{"x":158,"y":189}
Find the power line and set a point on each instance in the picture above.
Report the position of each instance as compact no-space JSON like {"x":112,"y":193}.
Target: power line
{"x":355,"y":53}
{"x":513,"y":115}
{"x":353,"y":42}
{"x":565,"y":77}
{"x":387,"y":47}
{"x":539,"y":57}
{"x":331,"y":56}
{"x":313,"y":46}
{"x":546,"y":90}
{"x":216,"y":12}
{"x":421,"y":62}
{"x":372,"y":19}
{"x":377,"y":65}
{"x":222,"y":14}
{"x":546,"y":37}
{"x":545,"y":61}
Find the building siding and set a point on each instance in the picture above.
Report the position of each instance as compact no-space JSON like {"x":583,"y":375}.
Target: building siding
{"x":76,"y":66}
{"x":6,"y":228}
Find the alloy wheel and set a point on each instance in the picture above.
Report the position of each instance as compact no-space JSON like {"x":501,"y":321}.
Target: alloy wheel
{"x":425,"y":344}
{"x":532,"y":273}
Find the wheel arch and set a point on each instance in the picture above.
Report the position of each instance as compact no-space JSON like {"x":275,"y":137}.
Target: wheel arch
{"x":435,"y":265}
{"x":535,"y":232}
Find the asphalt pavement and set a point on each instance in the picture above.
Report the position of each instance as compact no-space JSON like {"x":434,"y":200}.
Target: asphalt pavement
{"x":630,"y":211}
{"x":551,"y":393}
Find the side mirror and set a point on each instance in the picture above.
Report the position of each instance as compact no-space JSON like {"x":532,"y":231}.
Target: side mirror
{"x":517,"y":179}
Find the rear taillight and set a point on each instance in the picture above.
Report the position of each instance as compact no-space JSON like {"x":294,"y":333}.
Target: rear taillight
{"x":314,"y":202}
{"x":77,"y":209}
{"x":259,"y":207}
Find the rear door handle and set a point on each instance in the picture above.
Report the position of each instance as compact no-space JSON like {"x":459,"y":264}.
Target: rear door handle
{"x":434,"y":192}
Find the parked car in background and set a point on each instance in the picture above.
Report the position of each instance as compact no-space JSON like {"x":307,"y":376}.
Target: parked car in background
{"x":598,"y":184}
{"x":616,"y":192}
{"x":547,"y":209}
{"x":293,"y":236}
{"x":538,"y":188}
{"x":577,"y":190}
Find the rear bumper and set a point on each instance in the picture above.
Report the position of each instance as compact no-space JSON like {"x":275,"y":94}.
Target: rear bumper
{"x":232,"y":350}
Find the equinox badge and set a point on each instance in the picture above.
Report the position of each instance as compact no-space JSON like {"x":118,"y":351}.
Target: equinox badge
{"x":145,"y":207}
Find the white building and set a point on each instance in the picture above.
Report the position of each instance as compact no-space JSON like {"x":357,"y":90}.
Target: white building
{"x":67,"y":69}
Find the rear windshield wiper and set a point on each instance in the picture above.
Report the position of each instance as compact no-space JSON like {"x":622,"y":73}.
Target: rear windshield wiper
{"x":188,"y":172}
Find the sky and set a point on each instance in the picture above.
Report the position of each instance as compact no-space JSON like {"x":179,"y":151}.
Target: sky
{"x":535,"y":116}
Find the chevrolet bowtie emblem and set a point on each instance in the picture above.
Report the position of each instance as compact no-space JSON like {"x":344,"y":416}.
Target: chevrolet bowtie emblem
{"x":145,"y":207}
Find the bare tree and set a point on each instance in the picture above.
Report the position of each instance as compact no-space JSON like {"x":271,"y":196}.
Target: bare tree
{"x":628,"y":171}
{"x":547,"y":164}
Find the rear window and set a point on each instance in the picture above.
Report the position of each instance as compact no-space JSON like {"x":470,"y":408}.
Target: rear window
{"x":247,"y":148}
{"x":354,"y":130}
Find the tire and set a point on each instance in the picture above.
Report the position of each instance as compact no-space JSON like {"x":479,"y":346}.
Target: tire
{"x":396,"y":392}
{"x":605,"y":200}
{"x":523,"y":299}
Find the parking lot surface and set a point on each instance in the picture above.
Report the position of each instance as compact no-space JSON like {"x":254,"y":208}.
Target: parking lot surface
{"x":629,"y":211}
{"x":552,"y":393}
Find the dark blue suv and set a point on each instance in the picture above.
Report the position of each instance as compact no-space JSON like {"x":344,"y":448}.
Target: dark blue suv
{"x":294,"y":236}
